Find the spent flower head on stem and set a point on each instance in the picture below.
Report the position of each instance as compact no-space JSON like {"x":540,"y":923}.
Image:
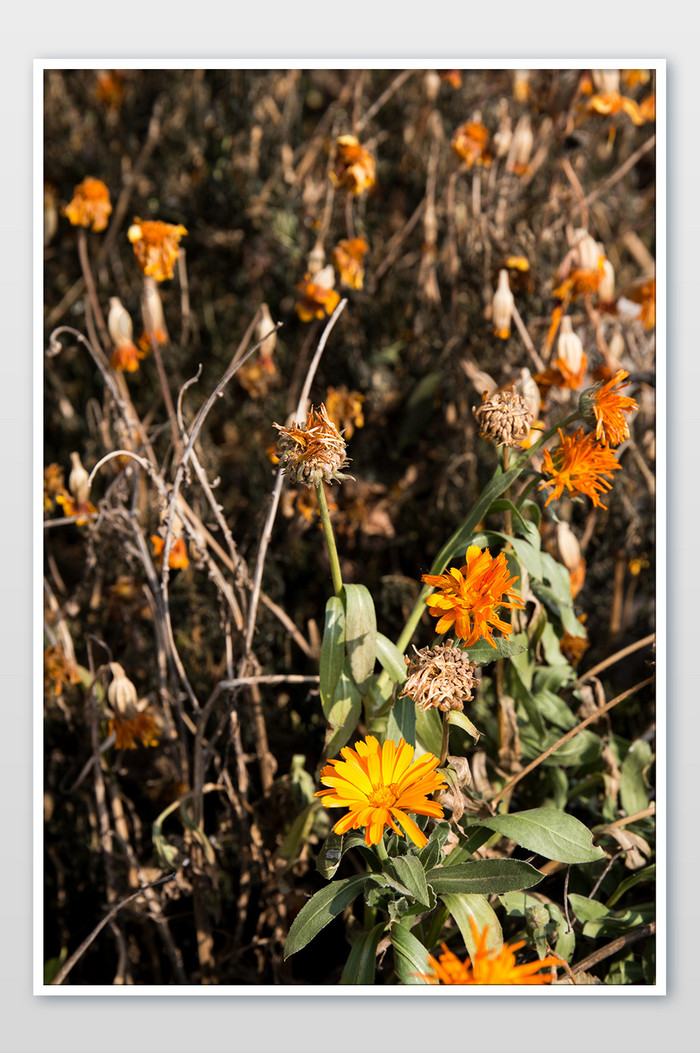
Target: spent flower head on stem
{"x":312,"y":452}
{"x":504,"y":419}
{"x":440,"y":677}
{"x":156,"y":246}
{"x":90,"y":206}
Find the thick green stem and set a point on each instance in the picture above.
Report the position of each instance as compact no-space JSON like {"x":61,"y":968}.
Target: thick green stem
{"x":330,"y":538}
{"x":381,"y":850}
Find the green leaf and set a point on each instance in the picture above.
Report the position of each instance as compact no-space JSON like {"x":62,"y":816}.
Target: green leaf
{"x":344,"y":713}
{"x":482,"y":652}
{"x":360,"y":634}
{"x":321,"y":909}
{"x":410,"y":873}
{"x":430,"y":854}
{"x":332,"y":652}
{"x":504,"y":505}
{"x":391,"y":659}
{"x":463,"y":722}
{"x":463,"y":907}
{"x":333,"y":849}
{"x":599,"y":921}
{"x":402,"y":721}
{"x":291,"y":846}
{"x":429,"y":730}
{"x":484,"y":877}
{"x":410,"y":956}
{"x":360,"y":966}
{"x":583,"y":748}
{"x":552,"y":834}
{"x":634,"y":793}
{"x":554,"y":710}
{"x":645,"y":874}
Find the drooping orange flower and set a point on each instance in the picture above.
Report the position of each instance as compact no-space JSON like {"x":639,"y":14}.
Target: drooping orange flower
{"x":354,"y":168}
{"x":90,"y":206}
{"x":317,"y":301}
{"x":348,"y":260}
{"x":488,"y":967}
{"x":609,"y":407}
{"x":644,"y":294}
{"x":126,"y":358}
{"x":177,"y":557}
{"x":156,"y":246}
{"x":470,"y":597}
{"x":612,"y":102}
{"x":71,"y":507}
{"x":471,"y":143}
{"x":647,"y":108}
{"x":127,"y":730}
{"x":380,"y":785}
{"x":579,"y":464}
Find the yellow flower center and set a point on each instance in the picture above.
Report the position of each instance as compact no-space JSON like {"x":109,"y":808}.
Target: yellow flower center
{"x":382,"y":797}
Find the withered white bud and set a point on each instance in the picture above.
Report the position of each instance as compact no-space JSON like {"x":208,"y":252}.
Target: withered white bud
{"x":606,"y":289}
{"x":528,"y":388}
{"x":617,"y":344}
{"x":588,"y":251}
{"x":317,"y":258}
{"x":606,"y":80}
{"x":503,"y":137}
{"x":266,"y":325}
{"x":431,"y":85}
{"x":119,"y":323}
{"x":78,"y":480}
{"x":569,"y":346}
{"x":121,"y":693}
{"x":152,"y":309}
{"x":502,"y":306}
{"x":326,"y":277}
{"x":523,"y":141}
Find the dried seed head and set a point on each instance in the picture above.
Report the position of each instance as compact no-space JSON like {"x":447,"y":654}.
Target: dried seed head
{"x":440,"y":677}
{"x":502,"y":306}
{"x":78,"y":480}
{"x":121,"y":693}
{"x":504,"y":419}
{"x":312,"y":452}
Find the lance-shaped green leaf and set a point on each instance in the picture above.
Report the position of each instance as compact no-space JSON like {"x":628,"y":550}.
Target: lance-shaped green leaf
{"x":410,"y":956}
{"x":550,"y":833}
{"x":333,"y":849}
{"x":360,"y":634}
{"x":483,"y":877}
{"x":460,"y":720}
{"x":321,"y":909}
{"x":332,"y":652}
{"x":344,"y":713}
{"x":402,"y":721}
{"x":464,"y":908}
{"x":291,"y":846}
{"x":391,"y":659}
{"x":360,"y":966}
{"x":410,"y":873}
{"x":634,"y":793}
{"x":482,"y":652}
{"x":429,"y":730}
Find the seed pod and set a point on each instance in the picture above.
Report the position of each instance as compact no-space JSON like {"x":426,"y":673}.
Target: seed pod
{"x":121,"y":693}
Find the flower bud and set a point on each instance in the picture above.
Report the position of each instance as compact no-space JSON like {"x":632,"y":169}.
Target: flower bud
{"x":78,"y":480}
{"x":502,"y":307}
{"x":266,"y":325}
{"x":569,"y":346}
{"x":606,"y":81}
{"x":523,"y":142}
{"x":119,"y":323}
{"x":317,"y":258}
{"x":606,"y":289}
{"x":152,"y":310}
{"x":121,"y":693}
{"x":588,"y":251}
{"x":431,"y":85}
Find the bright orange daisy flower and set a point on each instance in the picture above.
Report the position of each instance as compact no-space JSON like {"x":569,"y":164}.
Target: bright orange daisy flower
{"x":470,"y":597}
{"x":609,"y":407}
{"x":156,"y":246}
{"x":488,"y":967}
{"x":379,"y":785}
{"x":579,"y":464}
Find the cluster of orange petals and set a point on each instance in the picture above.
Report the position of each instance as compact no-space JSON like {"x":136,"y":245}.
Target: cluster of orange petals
{"x":451,"y":76}
{"x":156,"y":246}
{"x":488,"y":967}
{"x":581,"y":282}
{"x":644,"y":295}
{"x":126,"y":357}
{"x":471,"y":142}
{"x":90,"y":206}
{"x":344,"y":407}
{"x":71,"y":507}
{"x":470,"y":597}
{"x":127,"y":730}
{"x":380,"y":785}
{"x":354,"y":168}
{"x":316,"y":301}
{"x":609,"y":408}
{"x":177,"y":557}
{"x":580,"y":465}
{"x":611,"y":102}
{"x":59,"y":670}
{"x":348,"y":259}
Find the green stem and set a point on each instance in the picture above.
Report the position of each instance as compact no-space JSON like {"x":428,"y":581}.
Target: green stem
{"x":381,"y":850}
{"x":445,"y":738}
{"x":330,"y":538}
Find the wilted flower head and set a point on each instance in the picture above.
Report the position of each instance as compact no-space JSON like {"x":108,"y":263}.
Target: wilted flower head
{"x":471,"y":143}
{"x":154,"y":328}
{"x":77,"y":501}
{"x":59,"y":670}
{"x":318,"y":298}
{"x":354,"y":167}
{"x":521,"y":146}
{"x":312,"y":452}
{"x":129,"y":722}
{"x":348,"y":260}
{"x":504,"y":418}
{"x":608,"y":407}
{"x":452,"y":76}
{"x":178,"y":558}
{"x":379,"y":785}
{"x":571,"y":360}
{"x":580,"y":465}
{"x":156,"y":246}
{"x":470,"y":597}
{"x":90,"y":206}
{"x":126,"y":356}
{"x":502,"y":306}
{"x":440,"y":677}
{"x":54,"y":484}
{"x":488,"y":967}
{"x":344,"y":408}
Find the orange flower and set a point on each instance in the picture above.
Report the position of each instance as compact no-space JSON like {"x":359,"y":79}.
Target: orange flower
{"x":488,"y":967}
{"x":452,"y":76}
{"x":137,"y":726}
{"x":109,"y":89}
{"x":608,"y":408}
{"x":126,"y":358}
{"x":647,"y":108}
{"x":54,"y":484}
{"x":348,"y":260}
{"x":59,"y":670}
{"x":579,"y":464}
{"x":471,"y":142}
{"x":470,"y":597}
{"x":177,"y":557}
{"x":90,"y":206}
{"x":379,"y":785}
{"x":612,"y":102}
{"x":354,"y":167}
{"x":643,"y":294}
{"x":156,"y":246}
{"x":71,"y":507}
{"x":316,"y":301}
{"x":345,"y":410}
